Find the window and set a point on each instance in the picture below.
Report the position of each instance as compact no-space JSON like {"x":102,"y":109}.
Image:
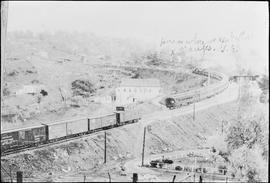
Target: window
{"x":124,"y":90}
{"x":135,"y":90}
{"x":129,"y":90}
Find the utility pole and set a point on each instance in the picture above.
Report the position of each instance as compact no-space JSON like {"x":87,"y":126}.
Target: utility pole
{"x":174,"y":178}
{"x":143,"y":145}
{"x":19,"y":176}
{"x":194,"y":111}
{"x":135,"y":177}
{"x":109,"y":176}
{"x":209,"y":78}
{"x":195,"y":162}
{"x":105,"y":146}
{"x":222,"y":127}
{"x":201,"y":180}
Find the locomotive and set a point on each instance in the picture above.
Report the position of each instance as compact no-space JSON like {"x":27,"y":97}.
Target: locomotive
{"x":170,"y":103}
{"x":48,"y":132}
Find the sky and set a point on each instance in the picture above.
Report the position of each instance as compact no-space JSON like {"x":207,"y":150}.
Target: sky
{"x":147,"y":20}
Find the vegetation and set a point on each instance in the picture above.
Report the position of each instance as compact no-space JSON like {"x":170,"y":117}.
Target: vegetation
{"x":245,"y":141}
{"x":264,"y":83}
{"x":82,"y":87}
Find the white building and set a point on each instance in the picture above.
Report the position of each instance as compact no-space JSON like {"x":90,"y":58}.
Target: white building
{"x":30,"y":89}
{"x":133,"y":90}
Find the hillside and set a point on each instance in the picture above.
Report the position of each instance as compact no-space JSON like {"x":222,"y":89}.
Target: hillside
{"x":162,"y":136}
{"x":59,"y":65}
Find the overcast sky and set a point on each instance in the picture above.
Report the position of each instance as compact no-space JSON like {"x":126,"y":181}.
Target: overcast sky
{"x":140,"y":19}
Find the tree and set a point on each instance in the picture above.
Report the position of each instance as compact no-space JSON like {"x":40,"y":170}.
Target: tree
{"x":264,"y":83}
{"x":244,"y":133}
{"x":249,"y":164}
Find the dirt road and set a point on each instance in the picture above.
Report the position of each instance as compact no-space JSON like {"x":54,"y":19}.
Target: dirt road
{"x":230,"y":94}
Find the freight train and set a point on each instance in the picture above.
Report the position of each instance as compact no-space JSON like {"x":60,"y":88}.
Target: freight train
{"x":49,"y":132}
{"x":196,"y":95}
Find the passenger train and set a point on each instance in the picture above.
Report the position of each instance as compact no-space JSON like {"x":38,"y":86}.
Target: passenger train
{"x":196,"y":95}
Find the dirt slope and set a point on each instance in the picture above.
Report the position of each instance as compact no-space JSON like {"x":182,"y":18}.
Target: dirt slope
{"x":87,"y":154}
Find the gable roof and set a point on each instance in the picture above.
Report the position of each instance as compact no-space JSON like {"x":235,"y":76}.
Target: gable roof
{"x":140,"y":83}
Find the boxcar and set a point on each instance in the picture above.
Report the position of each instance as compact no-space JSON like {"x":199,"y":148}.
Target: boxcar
{"x":129,"y":116}
{"x":97,"y":122}
{"x":57,"y":129}
{"x":76,"y":126}
{"x":23,"y":137}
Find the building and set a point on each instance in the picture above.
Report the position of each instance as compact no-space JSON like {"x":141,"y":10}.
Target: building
{"x":30,"y":89}
{"x":133,"y":90}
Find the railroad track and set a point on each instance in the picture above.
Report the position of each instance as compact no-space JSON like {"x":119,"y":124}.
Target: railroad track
{"x":61,"y":140}
{"x":66,"y":139}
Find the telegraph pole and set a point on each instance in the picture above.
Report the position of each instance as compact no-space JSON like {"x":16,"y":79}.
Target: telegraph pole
{"x":194,"y":111}
{"x":222,"y":127}
{"x":209,"y":78}
{"x":174,"y":178}
{"x":109,"y":176}
{"x":143,"y":145}
{"x":105,"y":146}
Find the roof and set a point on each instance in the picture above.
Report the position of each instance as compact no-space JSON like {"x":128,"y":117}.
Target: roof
{"x":140,"y":83}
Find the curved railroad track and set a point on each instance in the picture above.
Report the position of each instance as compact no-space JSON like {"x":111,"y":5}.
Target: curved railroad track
{"x":223,"y":84}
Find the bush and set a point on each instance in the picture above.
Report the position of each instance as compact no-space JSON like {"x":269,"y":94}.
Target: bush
{"x":6,"y":92}
{"x":82,"y":87}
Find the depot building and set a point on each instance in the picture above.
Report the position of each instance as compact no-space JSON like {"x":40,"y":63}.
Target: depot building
{"x":133,"y":90}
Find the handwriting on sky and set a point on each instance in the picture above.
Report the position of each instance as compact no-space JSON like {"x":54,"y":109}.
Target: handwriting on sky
{"x":219,"y":44}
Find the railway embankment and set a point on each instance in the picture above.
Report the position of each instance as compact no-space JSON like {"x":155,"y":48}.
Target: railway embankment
{"x":87,"y":154}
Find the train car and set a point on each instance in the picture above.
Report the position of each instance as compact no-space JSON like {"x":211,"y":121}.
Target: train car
{"x":62,"y":129}
{"x":77,"y":126}
{"x":23,"y":137}
{"x":129,"y":116}
{"x":103,"y":121}
{"x":187,"y":99}
{"x":57,"y":130}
